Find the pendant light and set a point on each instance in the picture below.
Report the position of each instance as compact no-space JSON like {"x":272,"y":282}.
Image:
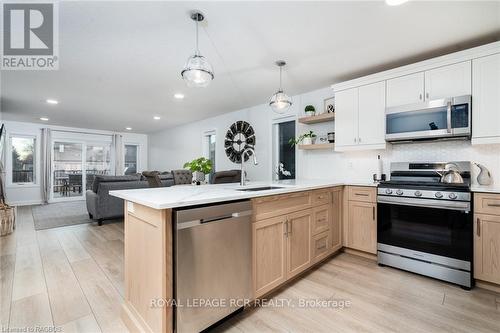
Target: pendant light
{"x":280,"y":102}
{"x":197,"y":72}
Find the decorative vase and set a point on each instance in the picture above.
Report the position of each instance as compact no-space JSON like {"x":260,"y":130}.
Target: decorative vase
{"x":198,"y":177}
{"x":307,"y":141}
{"x":484,"y":177}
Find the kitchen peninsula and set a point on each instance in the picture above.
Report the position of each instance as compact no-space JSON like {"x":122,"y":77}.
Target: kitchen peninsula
{"x":291,"y":227}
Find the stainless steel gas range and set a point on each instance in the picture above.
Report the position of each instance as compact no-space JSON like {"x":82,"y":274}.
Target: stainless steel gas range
{"x":425,"y":225}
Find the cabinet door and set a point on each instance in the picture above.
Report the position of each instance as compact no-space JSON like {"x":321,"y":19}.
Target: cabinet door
{"x":346,"y":117}
{"x":298,"y":242}
{"x":372,"y":114}
{"x":362,"y":226}
{"x":487,"y":248}
{"x":406,"y":89}
{"x":269,"y":254}
{"x":486,"y":99}
{"x":336,"y":226}
{"x":448,"y":81}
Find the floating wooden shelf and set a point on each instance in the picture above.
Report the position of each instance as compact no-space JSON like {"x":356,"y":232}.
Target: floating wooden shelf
{"x":321,"y":118}
{"x":318,"y":146}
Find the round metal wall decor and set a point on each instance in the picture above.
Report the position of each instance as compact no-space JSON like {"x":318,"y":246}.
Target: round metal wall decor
{"x":239,"y":137}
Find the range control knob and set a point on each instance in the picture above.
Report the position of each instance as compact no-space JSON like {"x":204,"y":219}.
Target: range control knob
{"x":399,"y":192}
{"x":438,"y":195}
{"x":418,"y":193}
{"x":388,"y":191}
{"x":452,"y":196}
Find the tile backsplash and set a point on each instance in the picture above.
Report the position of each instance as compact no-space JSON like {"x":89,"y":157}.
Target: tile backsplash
{"x":359,"y":166}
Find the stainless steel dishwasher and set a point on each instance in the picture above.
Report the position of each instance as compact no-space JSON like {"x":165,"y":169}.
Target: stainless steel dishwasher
{"x":212,"y":263}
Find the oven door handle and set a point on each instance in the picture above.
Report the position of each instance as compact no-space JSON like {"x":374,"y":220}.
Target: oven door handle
{"x":426,"y":203}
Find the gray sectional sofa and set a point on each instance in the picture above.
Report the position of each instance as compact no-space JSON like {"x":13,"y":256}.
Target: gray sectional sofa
{"x":102,"y":206}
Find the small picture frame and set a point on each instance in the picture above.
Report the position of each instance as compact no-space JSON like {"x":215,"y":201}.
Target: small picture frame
{"x":329,"y":105}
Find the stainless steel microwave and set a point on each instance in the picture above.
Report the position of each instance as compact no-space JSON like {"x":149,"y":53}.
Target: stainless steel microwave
{"x":435,"y":119}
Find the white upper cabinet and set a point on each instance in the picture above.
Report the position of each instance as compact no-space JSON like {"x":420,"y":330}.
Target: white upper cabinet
{"x":359,"y":118}
{"x":346,"y":118}
{"x":372,"y":114}
{"x":486,"y":99}
{"x":448,"y":81}
{"x":408,"y":89}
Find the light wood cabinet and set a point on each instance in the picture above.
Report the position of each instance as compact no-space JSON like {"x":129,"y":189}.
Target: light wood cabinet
{"x":487,"y":248}
{"x":448,"y":81}
{"x":321,"y":246}
{"x":359,"y":118}
{"x":298,"y":242}
{"x":321,"y":219}
{"x":486,"y":99}
{"x":269,"y":254}
{"x":362,"y":233}
{"x":360,"y":219}
{"x":336,"y":220}
{"x":408,"y":89}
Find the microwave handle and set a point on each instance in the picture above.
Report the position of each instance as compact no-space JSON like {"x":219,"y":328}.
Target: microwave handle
{"x":448,"y":116}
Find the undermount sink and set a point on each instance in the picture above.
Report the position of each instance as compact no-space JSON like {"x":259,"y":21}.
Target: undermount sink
{"x":262,"y":188}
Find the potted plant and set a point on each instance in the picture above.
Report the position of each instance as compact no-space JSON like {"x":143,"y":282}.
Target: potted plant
{"x":310,"y":110}
{"x":305,"y":139}
{"x":200,"y":167}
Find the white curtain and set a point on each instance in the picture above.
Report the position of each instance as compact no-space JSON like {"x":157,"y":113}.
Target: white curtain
{"x":119,"y":157}
{"x":46,"y":163}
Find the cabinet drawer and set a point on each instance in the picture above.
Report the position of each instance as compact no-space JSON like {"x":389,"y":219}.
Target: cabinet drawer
{"x":321,"y":219}
{"x":276,"y":205}
{"x":362,"y":193}
{"x":321,"y":244}
{"x":321,"y":197}
{"x":487,"y":203}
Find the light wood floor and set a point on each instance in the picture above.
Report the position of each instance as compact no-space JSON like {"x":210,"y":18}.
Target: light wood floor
{"x":72,"y":277}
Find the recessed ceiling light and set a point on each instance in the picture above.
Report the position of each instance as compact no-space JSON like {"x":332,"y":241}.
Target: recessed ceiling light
{"x":395,"y":2}
{"x":128,"y":128}
{"x":156,"y":118}
{"x":52,"y":101}
{"x":179,"y":96}
{"x":44,"y":119}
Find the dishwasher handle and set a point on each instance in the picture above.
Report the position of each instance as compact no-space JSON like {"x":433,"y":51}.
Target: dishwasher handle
{"x":194,"y":223}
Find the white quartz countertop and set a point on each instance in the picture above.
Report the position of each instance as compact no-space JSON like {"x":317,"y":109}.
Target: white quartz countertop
{"x":486,"y":189}
{"x":190,"y":195}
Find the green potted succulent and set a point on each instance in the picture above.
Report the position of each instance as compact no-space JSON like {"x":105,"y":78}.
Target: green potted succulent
{"x":305,"y":139}
{"x":310,"y":110}
{"x":200,"y":167}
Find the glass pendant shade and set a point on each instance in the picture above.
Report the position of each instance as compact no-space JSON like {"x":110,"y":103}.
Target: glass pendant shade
{"x":197,"y":72}
{"x":280,"y":102}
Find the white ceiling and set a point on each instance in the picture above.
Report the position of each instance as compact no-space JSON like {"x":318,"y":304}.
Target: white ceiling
{"x":120,"y":62}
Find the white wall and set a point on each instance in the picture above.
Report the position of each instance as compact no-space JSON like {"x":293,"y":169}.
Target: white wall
{"x":170,"y":148}
{"x":31,"y":194}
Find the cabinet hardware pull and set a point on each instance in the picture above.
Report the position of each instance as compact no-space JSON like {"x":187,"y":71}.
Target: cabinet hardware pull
{"x":478,"y":227}
{"x":355,"y":140}
{"x":286,"y":228}
{"x":373,"y":208}
{"x":361,"y":194}
{"x":359,"y":139}
{"x":290,"y":228}
{"x":493,"y":205}
{"x":420,"y":97}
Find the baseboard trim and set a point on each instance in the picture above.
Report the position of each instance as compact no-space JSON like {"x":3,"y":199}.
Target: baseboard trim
{"x":363,"y":254}
{"x":24,"y":203}
{"x":488,"y":286}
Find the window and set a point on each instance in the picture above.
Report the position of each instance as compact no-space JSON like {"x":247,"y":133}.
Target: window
{"x":23,"y":160}
{"x":284,"y":153}
{"x":131,"y":159}
{"x":98,"y":162}
{"x":210,"y":150}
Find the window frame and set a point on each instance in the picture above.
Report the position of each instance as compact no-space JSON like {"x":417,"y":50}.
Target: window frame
{"x":206,"y":148}
{"x":10,"y":161}
{"x":275,"y":145}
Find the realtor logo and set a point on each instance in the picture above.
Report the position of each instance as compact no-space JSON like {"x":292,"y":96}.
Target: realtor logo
{"x":29,"y":36}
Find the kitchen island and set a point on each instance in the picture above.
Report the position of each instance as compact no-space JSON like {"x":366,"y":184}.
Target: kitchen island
{"x":302,"y":206}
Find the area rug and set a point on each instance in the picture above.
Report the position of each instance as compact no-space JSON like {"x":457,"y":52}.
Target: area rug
{"x":60,"y":214}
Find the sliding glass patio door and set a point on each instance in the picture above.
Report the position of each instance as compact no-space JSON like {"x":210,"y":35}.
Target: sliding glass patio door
{"x":74,"y":166}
